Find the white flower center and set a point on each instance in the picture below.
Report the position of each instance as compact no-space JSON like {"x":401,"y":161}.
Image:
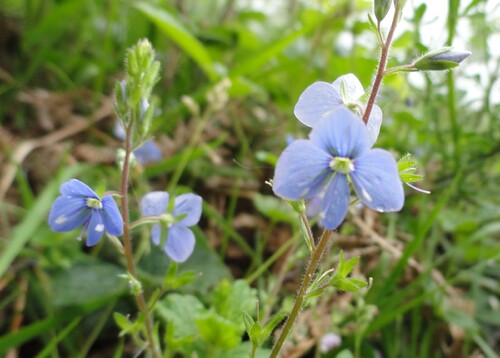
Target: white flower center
{"x":94,"y":203}
{"x":342,"y":165}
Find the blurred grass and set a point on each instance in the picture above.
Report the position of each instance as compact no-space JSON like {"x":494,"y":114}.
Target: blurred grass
{"x":270,"y":57}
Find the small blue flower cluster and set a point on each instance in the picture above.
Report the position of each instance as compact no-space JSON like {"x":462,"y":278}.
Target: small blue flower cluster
{"x":79,"y":206}
{"x":338,"y":152}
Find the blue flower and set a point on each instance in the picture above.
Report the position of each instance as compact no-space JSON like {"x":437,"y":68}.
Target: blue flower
{"x":321,"y":98}
{"x":80,"y":206}
{"x":337,"y":152}
{"x":147,"y":153}
{"x":178,"y":243}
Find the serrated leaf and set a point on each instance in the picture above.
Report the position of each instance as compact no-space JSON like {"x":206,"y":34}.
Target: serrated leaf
{"x":230,"y":300}
{"x":181,"y":310}
{"x":217,"y":331}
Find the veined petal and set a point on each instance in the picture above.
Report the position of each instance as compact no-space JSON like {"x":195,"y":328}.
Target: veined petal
{"x":315,"y":102}
{"x":68,"y":213}
{"x":376,"y":181}
{"x":353,"y":86}
{"x":156,"y":234}
{"x":301,"y":171}
{"x":154,"y":203}
{"x":335,"y":202}
{"x":189,"y":205}
{"x":95,"y":228}
{"x":180,"y":243}
{"x":374,"y":123}
{"x":149,"y":152}
{"x":75,"y":188}
{"x":111,"y":216}
{"x":341,"y":133}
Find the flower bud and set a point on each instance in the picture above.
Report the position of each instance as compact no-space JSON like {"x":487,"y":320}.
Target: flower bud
{"x":440,"y":60}
{"x":142,"y":72}
{"x":381,"y":8}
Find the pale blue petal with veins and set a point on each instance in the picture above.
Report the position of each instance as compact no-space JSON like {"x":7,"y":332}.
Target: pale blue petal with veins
{"x":319,"y":168}
{"x":180,"y":240}
{"x":79,"y":206}
{"x":321,"y":98}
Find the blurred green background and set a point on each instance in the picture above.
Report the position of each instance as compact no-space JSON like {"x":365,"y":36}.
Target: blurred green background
{"x":435,"y":265}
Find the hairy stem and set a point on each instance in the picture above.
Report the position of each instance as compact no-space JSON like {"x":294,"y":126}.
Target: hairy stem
{"x":299,"y":300}
{"x":127,"y":242}
{"x":381,"y":67}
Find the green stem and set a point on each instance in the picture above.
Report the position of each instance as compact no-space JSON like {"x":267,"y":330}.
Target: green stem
{"x":381,"y":67}
{"x":299,"y":301}
{"x":127,"y":242}
{"x":310,"y":236}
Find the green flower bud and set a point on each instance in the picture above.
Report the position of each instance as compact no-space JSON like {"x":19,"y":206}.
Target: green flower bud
{"x":440,"y":60}
{"x":381,"y":8}
{"x":142,"y":72}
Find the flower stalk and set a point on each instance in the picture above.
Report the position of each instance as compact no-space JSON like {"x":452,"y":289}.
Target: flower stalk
{"x":299,"y":300}
{"x":384,"y":55}
{"x":127,"y":242}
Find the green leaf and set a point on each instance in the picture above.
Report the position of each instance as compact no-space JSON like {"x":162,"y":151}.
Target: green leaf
{"x":348,"y":266}
{"x":349,"y":284}
{"x":218,"y":332}
{"x":271,"y":325}
{"x":182,"y":311}
{"x":87,"y":283}
{"x":181,"y":36}
{"x":231,"y":300}
{"x":407,"y":168}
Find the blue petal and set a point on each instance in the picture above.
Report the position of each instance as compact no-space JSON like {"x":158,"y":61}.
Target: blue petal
{"x":118,"y":130}
{"x":342,"y":134}
{"x":315,"y":102}
{"x":301,"y":171}
{"x":68,"y":213}
{"x":354,"y":87}
{"x":149,"y":152}
{"x":111,"y":215}
{"x":156,"y":234}
{"x":374,"y":123}
{"x":335,"y":202}
{"x":376,"y":181}
{"x":189,"y":205}
{"x":155,"y":203}
{"x":76,"y":188}
{"x":95,"y":228}
{"x":180,"y":243}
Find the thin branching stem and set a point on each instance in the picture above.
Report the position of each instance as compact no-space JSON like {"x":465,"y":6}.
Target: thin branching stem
{"x":299,"y":300}
{"x":127,"y":243}
{"x":381,"y":66}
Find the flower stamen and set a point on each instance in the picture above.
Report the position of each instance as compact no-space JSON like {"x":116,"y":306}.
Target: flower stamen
{"x":342,"y":165}
{"x":94,"y":203}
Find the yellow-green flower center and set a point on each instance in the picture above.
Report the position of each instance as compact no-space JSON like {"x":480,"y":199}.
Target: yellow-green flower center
{"x":94,"y":203}
{"x":342,"y":165}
